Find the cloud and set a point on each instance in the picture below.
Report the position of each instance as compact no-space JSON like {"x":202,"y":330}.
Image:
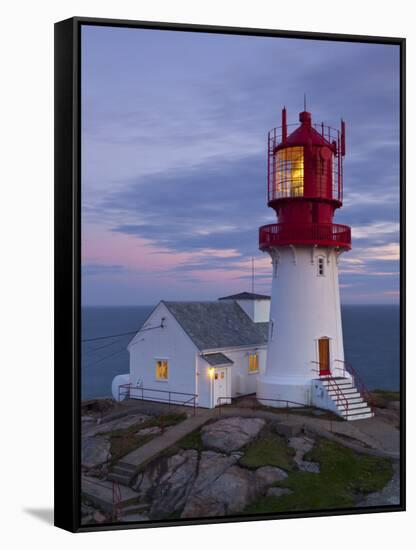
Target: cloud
{"x":173,"y":159}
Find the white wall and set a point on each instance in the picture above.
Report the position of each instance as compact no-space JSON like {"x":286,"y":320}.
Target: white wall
{"x":257,"y":310}
{"x":304,"y":308}
{"x":169,"y":343}
{"x":241,"y":382}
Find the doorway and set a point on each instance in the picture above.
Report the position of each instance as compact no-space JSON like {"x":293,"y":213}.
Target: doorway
{"x":324,"y":360}
{"x":220,"y":386}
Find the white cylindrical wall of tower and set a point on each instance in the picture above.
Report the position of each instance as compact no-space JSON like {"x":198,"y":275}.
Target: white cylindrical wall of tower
{"x":305,"y":307}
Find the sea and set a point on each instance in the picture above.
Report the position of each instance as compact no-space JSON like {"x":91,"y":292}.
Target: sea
{"x":371,"y":344}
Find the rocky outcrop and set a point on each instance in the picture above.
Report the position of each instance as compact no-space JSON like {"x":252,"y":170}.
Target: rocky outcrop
{"x":268,"y":475}
{"x":116,"y":424}
{"x":167,"y":482}
{"x":303,"y":445}
{"x":231,"y":434}
{"x":230,"y":493}
{"x":94,"y":451}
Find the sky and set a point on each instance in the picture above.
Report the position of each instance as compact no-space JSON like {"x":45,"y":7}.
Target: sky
{"x":174,"y":173}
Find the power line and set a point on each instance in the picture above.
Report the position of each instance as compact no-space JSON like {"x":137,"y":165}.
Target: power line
{"x":109,"y":336}
{"x":122,"y":334}
{"x":93,"y":350}
{"x":104,"y":358}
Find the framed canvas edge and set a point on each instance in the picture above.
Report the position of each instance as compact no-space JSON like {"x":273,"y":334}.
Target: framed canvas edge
{"x":67,"y":290}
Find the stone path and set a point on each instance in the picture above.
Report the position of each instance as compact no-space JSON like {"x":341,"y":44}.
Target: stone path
{"x":371,"y":436}
{"x":172,"y":435}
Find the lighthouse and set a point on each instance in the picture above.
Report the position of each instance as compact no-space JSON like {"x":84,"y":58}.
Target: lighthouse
{"x":305,"y":354}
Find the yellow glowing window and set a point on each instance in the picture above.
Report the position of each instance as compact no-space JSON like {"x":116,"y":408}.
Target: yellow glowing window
{"x":162,"y":370}
{"x":289,"y":172}
{"x":253,"y":362}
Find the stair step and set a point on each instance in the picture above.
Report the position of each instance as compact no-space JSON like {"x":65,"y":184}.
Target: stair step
{"x":117,"y":469}
{"x":344,"y":390}
{"x":359,"y":407}
{"x":350,"y":400}
{"x":359,"y":416}
{"x":337,"y":381}
{"x":135,"y":508}
{"x":127,"y":466}
{"x":100,"y":493}
{"x":120,"y":478}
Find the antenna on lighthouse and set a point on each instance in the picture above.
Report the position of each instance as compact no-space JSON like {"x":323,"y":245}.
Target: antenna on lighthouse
{"x":252,"y":274}
{"x":304,"y":102}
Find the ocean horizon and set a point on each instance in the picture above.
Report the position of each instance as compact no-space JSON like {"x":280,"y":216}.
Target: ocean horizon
{"x":371,"y":344}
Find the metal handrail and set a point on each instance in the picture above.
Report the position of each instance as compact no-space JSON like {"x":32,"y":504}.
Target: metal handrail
{"x":256,"y":399}
{"x":334,"y":385}
{"x":359,"y":382}
{"x":129,"y":387}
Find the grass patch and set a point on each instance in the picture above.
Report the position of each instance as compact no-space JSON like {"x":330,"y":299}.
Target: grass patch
{"x":121,"y":445}
{"x":345,"y":476}
{"x":126,"y":440}
{"x":383,"y":397}
{"x":191,"y":441}
{"x":268,"y":449}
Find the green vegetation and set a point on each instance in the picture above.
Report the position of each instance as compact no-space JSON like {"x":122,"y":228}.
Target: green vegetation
{"x":191,"y":441}
{"x":268,"y":449}
{"x":125,"y":440}
{"x":383,"y":397}
{"x":345,"y":475}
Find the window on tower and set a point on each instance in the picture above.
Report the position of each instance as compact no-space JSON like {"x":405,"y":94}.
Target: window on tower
{"x":321,"y":267}
{"x":289,"y":174}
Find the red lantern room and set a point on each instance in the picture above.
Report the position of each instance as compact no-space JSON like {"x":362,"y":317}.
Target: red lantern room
{"x":305,"y":185}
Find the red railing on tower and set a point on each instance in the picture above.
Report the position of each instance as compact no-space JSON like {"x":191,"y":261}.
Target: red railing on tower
{"x":323,"y":234}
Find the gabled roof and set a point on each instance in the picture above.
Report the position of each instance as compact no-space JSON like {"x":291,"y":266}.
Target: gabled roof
{"x":216,"y":359}
{"x":221,"y":324}
{"x":246,"y":296}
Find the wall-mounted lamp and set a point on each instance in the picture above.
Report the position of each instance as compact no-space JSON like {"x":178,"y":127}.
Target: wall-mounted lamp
{"x":211,"y":372}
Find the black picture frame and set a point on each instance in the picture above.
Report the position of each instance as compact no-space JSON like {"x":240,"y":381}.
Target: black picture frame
{"x":68,"y":266}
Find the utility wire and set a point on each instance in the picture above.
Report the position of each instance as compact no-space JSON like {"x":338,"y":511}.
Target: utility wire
{"x":122,"y":334}
{"x":106,"y":357}
{"x":93,"y":350}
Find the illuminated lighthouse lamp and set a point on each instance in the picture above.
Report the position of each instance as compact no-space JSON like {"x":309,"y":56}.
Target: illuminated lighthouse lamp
{"x":305,"y":354}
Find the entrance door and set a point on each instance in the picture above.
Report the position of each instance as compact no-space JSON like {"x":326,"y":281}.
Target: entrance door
{"x":324,"y":356}
{"x":220,"y":387}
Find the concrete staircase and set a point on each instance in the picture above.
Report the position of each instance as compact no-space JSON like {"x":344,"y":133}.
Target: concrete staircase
{"x":122,"y":473}
{"x":349,"y":402}
{"x":100,"y":493}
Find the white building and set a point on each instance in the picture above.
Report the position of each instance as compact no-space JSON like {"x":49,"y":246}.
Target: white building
{"x":211,"y":350}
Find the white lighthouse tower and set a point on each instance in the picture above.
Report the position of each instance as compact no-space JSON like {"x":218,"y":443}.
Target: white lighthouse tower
{"x":305,"y":357}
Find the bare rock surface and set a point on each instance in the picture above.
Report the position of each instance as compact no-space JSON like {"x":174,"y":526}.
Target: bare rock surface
{"x":303,"y":445}
{"x":116,"y":424}
{"x":267,"y":475}
{"x":211,"y":466}
{"x":231,"y":434}
{"x":94,"y":451}
{"x":229,"y":493}
{"x":174,"y":485}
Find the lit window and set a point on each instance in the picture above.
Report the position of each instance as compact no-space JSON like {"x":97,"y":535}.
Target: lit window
{"x":162,"y":369}
{"x":289,"y":172}
{"x":253,"y":362}
{"x":321,"y":267}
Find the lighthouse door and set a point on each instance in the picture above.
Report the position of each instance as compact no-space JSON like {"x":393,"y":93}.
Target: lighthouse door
{"x":323,"y":344}
{"x":220,"y":387}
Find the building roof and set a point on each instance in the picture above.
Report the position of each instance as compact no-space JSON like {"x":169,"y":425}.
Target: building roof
{"x":246,"y":296}
{"x":213,"y":325}
{"x":216,"y":359}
